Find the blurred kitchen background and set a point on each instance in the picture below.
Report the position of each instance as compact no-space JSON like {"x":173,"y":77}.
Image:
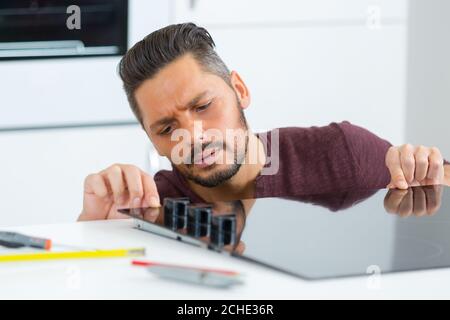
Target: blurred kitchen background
{"x":381,"y":64}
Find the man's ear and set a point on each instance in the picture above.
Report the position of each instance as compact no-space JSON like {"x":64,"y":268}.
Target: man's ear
{"x":241,"y":89}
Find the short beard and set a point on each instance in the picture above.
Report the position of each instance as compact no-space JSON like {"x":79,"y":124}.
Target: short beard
{"x":217,"y":178}
{"x":220,"y":177}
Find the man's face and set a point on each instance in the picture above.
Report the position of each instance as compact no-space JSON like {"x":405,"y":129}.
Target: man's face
{"x":183,"y":98}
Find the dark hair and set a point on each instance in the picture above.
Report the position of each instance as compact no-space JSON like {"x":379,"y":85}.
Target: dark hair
{"x":163,"y":46}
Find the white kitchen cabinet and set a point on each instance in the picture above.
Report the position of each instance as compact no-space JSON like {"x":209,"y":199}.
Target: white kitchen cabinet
{"x":42,"y":172}
{"x":428,"y":94}
{"x":55,"y":92}
{"x":303,"y":77}
{"x":270,"y":12}
{"x":313,"y":62}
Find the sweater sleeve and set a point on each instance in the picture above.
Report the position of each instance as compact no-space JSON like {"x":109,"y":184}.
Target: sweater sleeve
{"x":368,"y":152}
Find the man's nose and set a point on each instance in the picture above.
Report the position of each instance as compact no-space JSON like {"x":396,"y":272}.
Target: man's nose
{"x":196,"y":131}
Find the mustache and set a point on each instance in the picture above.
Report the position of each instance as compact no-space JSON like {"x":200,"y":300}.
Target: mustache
{"x":198,"y":149}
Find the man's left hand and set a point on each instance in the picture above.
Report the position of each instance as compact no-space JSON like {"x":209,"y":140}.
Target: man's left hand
{"x":416,"y":166}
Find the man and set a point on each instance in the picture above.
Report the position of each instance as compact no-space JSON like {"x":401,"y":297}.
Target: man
{"x":178,"y":86}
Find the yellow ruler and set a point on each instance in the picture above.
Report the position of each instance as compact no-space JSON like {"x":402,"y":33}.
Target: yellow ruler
{"x":85,"y":254}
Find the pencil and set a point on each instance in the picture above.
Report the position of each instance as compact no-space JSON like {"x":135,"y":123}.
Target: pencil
{"x":94,"y":254}
{"x":158,"y":264}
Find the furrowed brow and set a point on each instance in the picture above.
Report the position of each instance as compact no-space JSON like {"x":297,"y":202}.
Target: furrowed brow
{"x":197,"y":99}
{"x":161,"y":122}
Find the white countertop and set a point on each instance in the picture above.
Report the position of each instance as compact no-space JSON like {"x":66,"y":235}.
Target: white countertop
{"x":118,"y":279}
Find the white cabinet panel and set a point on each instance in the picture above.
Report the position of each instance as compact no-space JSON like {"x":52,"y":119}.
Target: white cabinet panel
{"x":313,"y":62}
{"x":283,"y":11}
{"x":73,"y":91}
{"x":61,"y":91}
{"x":42,"y":172}
{"x":304,"y":77}
{"x":428,"y":96}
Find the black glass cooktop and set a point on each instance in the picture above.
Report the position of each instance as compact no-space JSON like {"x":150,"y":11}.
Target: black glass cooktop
{"x":320,"y":236}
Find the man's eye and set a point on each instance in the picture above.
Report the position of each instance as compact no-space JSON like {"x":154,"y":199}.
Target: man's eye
{"x":203,"y":107}
{"x":166,"y":130}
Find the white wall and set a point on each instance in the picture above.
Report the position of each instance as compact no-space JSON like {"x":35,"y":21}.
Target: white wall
{"x":313,"y":62}
{"x":428,"y":96}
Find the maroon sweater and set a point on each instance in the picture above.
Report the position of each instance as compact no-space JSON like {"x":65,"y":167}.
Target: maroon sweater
{"x":314,"y":160}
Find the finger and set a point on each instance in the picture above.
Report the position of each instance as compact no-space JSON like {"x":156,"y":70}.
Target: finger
{"x":133,"y":181}
{"x":407,"y":162}
{"x":436,"y":166}
{"x":94,"y":184}
{"x":150,"y":190}
{"x":406,"y":206}
{"x":421,"y":158}
{"x":151,"y":214}
{"x":114,"y":176}
{"x":420,"y":202}
{"x":239,"y":248}
{"x":114,"y":214}
{"x":97,"y":199}
{"x":395,"y":169}
{"x":433,"y":197}
{"x":393,"y":199}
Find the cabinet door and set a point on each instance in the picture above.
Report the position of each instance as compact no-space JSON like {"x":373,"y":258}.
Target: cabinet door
{"x":269,"y":12}
{"x":313,"y":62}
{"x":42,"y":172}
{"x":304,"y":77}
{"x":73,"y":91}
{"x":60,"y":91}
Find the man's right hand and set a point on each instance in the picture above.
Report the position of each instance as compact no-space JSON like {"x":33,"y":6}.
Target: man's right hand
{"x":118,"y":186}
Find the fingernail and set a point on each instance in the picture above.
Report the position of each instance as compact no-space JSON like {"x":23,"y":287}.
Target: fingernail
{"x":136,"y":202}
{"x":154,"y":202}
